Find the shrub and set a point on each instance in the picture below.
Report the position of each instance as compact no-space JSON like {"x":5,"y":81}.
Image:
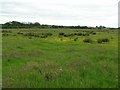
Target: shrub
{"x":68,"y":35}
{"x":87,"y":40}
{"x":36,"y":35}
{"x":6,"y":31}
{"x":103,"y":40}
{"x":65,"y":35}
{"x":29,"y":34}
{"x":5,"y":34}
{"x":30,"y":37}
{"x":99,"y":40}
{"x":106,"y":40}
{"x":20,"y":33}
{"x":44,"y":36}
{"x":48,"y":34}
{"x":83,"y":34}
{"x":80,"y":34}
{"x":94,"y":33}
{"x":76,"y":39}
{"x":75,"y":33}
{"x":61,"y":33}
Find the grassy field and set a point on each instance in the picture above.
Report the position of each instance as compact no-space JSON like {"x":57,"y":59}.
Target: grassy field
{"x":59,"y":58}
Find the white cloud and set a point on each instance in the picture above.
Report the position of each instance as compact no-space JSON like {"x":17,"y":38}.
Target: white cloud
{"x":61,"y":12}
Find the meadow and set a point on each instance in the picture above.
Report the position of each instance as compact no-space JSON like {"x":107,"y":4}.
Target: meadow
{"x":59,"y":58}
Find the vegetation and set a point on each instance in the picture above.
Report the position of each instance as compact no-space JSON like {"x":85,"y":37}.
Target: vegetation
{"x":104,"y":40}
{"x":58,"y":58}
{"x":87,"y":40}
{"x":16,"y":24}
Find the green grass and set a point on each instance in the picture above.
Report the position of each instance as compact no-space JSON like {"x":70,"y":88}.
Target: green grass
{"x":54,"y":63}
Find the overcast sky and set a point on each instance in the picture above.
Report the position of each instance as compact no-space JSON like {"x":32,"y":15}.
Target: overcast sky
{"x":61,"y":12}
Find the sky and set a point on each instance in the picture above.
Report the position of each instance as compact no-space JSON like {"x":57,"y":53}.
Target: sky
{"x":61,"y":12}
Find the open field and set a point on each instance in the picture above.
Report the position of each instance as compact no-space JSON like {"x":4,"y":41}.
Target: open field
{"x":60,"y":58}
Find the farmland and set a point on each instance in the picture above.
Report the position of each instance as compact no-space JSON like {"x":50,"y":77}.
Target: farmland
{"x":59,"y":58}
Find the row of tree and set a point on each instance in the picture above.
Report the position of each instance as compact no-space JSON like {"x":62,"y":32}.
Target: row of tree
{"x":16,"y":24}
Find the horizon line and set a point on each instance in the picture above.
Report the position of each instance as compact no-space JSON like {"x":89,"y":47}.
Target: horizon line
{"x":57,"y":24}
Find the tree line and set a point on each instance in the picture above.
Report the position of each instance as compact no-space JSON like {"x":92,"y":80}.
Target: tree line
{"x":16,"y":24}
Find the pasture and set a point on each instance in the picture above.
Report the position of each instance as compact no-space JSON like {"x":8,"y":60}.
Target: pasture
{"x":59,"y":58}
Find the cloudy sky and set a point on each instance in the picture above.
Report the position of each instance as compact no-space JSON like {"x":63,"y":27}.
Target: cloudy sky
{"x":61,"y":12}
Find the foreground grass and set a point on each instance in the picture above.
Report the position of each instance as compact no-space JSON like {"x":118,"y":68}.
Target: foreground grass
{"x":52,"y":63}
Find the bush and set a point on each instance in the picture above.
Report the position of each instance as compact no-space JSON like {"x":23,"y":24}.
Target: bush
{"x":83,"y":34}
{"x":36,"y":35}
{"x":75,"y":33}
{"x":29,"y":34}
{"x":20,"y":33}
{"x":76,"y":39}
{"x":99,"y":40}
{"x":48,"y":34}
{"x":4,"y":34}
{"x":68,"y":35}
{"x":44,"y":36}
{"x":94,"y":33}
{"x":80,"y":34}
{"x":61,"y":33}
{"x":87,"y":40}
{"x":30,"y":37}
{"x":6,"y":31}
{"x":103,"y":40}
